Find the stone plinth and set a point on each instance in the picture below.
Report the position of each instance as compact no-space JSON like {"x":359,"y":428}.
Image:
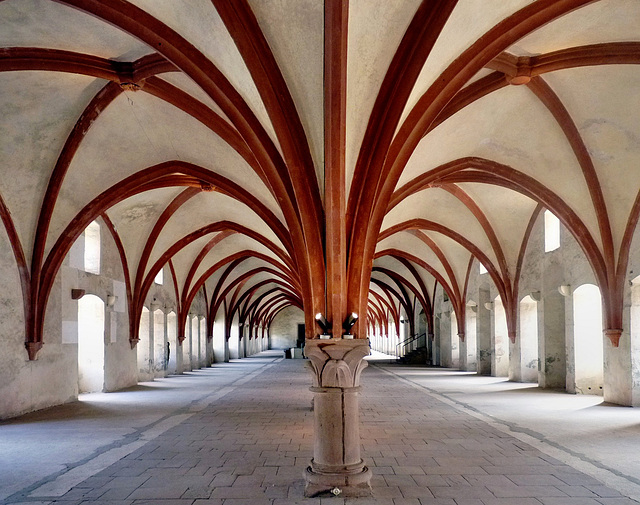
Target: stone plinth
{"x":336,"y":466}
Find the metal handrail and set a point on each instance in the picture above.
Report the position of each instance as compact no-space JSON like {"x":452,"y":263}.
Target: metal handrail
{"x":406,"y":342}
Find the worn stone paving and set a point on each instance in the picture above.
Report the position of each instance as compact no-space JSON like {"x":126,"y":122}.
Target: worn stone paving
{"x":250,"y":447}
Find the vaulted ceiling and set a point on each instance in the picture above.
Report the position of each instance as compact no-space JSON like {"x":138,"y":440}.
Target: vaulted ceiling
{"x":296,"y":148}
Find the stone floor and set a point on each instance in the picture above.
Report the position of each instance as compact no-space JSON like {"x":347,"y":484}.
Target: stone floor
{"x":241,"y":433}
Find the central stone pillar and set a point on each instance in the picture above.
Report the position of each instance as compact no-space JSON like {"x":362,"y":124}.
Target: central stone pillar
{"x":336,"y":466}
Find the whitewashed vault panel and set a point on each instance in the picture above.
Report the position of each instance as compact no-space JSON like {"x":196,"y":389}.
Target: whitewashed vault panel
{"x":295,"y":33}
{"x":43,"y":23}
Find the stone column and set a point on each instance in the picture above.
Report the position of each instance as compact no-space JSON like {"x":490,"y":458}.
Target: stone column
{"x":336,"y":466}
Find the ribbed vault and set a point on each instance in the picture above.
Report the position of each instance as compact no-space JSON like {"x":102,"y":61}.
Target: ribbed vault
{"x":338,"y":156}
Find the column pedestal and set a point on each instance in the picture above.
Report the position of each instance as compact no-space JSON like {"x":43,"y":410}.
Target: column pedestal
{"x":336,"y":466}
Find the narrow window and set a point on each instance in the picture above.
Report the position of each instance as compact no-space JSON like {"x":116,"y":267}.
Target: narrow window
{"x":551,"y":232}
{"x":483,"y":270}
{"x":159,"y":277}
{"x":92,"y":248}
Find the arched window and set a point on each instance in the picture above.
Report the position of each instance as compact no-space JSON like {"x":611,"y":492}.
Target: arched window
{"x":528,"y":339}
{"x":551,"y":232}
{"x":455,"y":342}
{"x":483,"y":269}
{"x":142,"y":349}
{"x":159,"y":344}
{"x":587,"y":335}
{"x":159,"y":279}
{"x":172,"y":342}
{"x":90,"y":344}
{"x":92,"y":248}
{"x":500,"y":357}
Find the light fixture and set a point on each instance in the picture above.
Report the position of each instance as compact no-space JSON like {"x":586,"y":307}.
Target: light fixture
{"x":111,"y":300}
{"x":349,"y":322}
{"x":565,"y":289}
{"x":154,"y":305}
{"x":323,"y":323}
{"x":488,"y":305}
{"x":535,"y":296}
{"x":473,"y":306}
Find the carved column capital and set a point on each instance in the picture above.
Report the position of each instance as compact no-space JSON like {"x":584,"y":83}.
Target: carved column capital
{"x":337,"y":363}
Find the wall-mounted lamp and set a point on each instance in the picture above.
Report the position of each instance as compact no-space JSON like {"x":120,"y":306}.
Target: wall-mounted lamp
{"x":323,"y":323}
{"x":349,"y":322}
{"x":535,"y":296}
{"x":76,"y":294}
{"x":473,"y":306}
{"x":565,"y":289}
{"x":154,"y":305}
{"x":111,"y":300}
{"x":488,"y":305}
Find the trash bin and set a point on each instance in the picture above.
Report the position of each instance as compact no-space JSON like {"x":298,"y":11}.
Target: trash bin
{"x":287,"y":353}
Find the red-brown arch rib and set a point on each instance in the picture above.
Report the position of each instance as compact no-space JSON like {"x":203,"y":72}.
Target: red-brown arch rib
{"x":123,"y":259}
{"x":607,"y":53}
{"x":336,"y":22}
{"x":374,"y":203}
{"x":238,"y":284}
{"x":255,"y":306}
{"x":236,"y":299}
{"x":469,"y":94}
{"x":428,"y":308}
{"x":175,"y":204}
{"x":234,"y":260}
{"x":57,"y":60}
{"x":617,"y":296}
{"x":272,"y":307}
{"x":248,"y":293}
{"x":503,"y":175}
{"x":546,"y":95}
{"x":182,"y":243}
{"x":193,"y":63}
{"x":401,"y":280}
{"x":397,"y":278}
{"x":407,"y":63}
{"x":390,"y":308}
{"x":257,"y":55}
{"x":102,"y":99}
{"x":219,"y":183}
{"x":454,"y":291}
{"x":523,"y":248}
{"x":461,"y":195}
{"x":414,"y":259}
{"x":395,"y":90}
{"x":391,"y":293}
{"x":431,"y":244}
{"x":23,"y":272}
{"x":139,"y":72}
{"x":199,"y":259}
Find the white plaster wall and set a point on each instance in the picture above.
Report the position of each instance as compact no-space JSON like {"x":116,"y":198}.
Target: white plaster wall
{"x":284,"y":328}
{"x":220,"y":344}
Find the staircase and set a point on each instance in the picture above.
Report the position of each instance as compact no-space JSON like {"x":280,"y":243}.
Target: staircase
{"x":415,"y":357}
{"x":408,"y":356}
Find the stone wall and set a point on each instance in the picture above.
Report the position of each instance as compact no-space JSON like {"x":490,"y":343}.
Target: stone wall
{"x":283,"y":333}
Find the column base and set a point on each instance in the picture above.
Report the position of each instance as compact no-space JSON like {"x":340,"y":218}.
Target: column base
{"x":351,"y":482}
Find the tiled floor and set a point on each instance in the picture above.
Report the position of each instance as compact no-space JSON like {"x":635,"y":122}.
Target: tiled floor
{"x":245,"y":436}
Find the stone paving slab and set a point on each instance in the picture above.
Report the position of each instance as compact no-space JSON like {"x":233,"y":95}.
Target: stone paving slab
{"x":250,"y":447}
